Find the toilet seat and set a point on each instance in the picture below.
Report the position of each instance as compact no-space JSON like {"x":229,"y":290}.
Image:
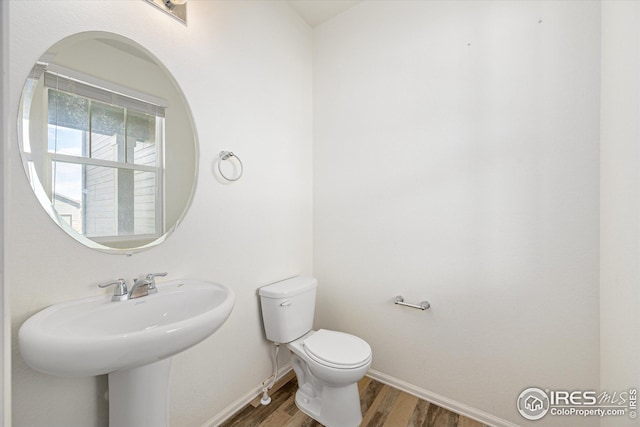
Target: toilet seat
{"x":337,"y":349}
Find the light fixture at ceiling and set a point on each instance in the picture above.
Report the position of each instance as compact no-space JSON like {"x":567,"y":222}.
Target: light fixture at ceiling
{"x":171,"y":4}
{"x":174,"y":8}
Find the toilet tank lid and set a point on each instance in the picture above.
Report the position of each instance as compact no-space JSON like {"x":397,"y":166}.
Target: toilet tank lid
{"x":289,"y":287}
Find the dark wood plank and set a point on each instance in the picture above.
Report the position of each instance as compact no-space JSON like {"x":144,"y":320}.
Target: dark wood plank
{"x":439,"y":417}
{"x":385,"y":403}
{"x":419,"y":416}
{"x":369,"y":395}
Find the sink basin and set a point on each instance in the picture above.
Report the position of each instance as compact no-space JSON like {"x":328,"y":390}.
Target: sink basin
{"x":94,"y":336}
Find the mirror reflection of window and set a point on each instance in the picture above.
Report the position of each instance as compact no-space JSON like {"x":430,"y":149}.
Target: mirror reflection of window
{"x":104,"y":161}
{"x":105,"y":158}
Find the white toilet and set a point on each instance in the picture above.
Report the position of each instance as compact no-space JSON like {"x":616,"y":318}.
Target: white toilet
{"x":328,"y":364}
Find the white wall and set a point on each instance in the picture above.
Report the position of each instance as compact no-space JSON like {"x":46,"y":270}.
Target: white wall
{"x":245,"y":68}
{"x":5,"y":341}
{"x":456,"y":160}
{"x":620,"y":201}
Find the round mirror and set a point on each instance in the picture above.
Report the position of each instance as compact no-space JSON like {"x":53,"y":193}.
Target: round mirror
{"x":108,"y":142}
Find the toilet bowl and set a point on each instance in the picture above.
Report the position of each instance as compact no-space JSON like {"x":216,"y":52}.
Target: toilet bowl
{"x":328,"y":364}
{"x":334,"y":357}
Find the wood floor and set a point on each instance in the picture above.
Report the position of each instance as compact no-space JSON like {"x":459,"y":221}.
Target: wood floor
{"x":382,"y":406}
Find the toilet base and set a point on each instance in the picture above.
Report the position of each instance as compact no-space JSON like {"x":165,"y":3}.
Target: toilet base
{"x":331,"y":406}
{"x":337,"y":407}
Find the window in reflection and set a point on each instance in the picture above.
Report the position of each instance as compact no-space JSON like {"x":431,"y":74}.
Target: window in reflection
{"x":105,"y":161}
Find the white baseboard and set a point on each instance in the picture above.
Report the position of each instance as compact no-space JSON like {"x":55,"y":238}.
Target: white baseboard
{"x":444,"y":402}
{"x":243,"y":401}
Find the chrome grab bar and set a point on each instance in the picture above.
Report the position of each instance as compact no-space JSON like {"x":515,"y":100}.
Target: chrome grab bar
{"x":422,"y":306}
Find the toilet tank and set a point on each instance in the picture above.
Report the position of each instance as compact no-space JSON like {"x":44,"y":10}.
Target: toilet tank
{"x":288,"y":307}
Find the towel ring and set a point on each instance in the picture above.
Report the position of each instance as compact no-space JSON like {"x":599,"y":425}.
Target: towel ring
{"x":226,"y":155}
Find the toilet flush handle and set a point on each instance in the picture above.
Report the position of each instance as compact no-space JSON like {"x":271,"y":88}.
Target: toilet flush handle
{"x":286,"y":303}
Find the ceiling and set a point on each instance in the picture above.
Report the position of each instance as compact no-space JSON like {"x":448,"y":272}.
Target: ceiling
{"x":315,"y":12}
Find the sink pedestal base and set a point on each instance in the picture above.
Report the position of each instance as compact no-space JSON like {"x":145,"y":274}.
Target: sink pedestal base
{"x":140,"y":396}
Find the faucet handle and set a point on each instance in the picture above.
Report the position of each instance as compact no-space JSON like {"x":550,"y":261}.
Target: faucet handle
{"x":151,"y":277}
{"x":120,"y":293}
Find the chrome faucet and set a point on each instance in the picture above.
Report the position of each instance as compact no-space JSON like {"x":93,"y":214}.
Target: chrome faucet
{"x":141,"y":287}
{"x":146,"y":286}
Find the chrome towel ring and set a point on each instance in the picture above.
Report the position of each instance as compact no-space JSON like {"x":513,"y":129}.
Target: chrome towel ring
{"x":226,"y":155}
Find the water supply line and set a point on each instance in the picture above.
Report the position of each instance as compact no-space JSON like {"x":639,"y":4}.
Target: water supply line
{"x":269,"y":382}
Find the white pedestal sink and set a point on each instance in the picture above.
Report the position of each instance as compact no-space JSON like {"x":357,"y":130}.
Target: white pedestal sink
{"x":132,"y":341}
